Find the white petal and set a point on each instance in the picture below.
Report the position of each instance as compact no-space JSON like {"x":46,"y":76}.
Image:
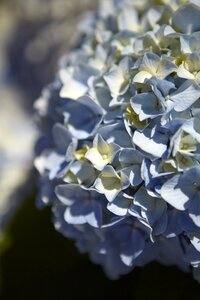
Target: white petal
{"x":183,"y":73}
{"x":73,"y":89}
{"x":141,"y":76}
{"x":174,"y":195}
{"x":96,"y":159}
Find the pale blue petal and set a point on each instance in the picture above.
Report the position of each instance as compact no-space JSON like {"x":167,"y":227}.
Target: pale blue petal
{"x":154,"y":144}
{"x":186,"y":18}
{"x":83,"y":117}
{"x":172,"y":192}
{"x":185,"y":96}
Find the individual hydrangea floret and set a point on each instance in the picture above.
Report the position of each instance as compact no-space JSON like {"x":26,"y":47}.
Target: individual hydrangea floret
{"x":102,"y":153}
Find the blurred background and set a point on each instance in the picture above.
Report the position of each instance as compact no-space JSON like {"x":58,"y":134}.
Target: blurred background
{"x":36,"y":262}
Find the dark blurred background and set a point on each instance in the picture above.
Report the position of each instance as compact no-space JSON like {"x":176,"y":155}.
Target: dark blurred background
{"x":36,"y":262}
{"x":41,"y":264}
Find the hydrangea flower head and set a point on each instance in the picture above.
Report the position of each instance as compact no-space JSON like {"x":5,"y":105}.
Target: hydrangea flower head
{"x":119,"y":155}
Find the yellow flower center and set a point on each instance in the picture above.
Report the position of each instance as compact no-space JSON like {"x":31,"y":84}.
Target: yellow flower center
{"x":133,"y":118}
{"x":80,"y":154}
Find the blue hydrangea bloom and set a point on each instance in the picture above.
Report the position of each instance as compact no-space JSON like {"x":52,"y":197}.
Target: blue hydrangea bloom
{"x":119,"y":153}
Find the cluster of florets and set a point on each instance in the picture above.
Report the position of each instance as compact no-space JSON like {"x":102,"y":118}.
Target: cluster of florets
{"x":120,"y":152}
